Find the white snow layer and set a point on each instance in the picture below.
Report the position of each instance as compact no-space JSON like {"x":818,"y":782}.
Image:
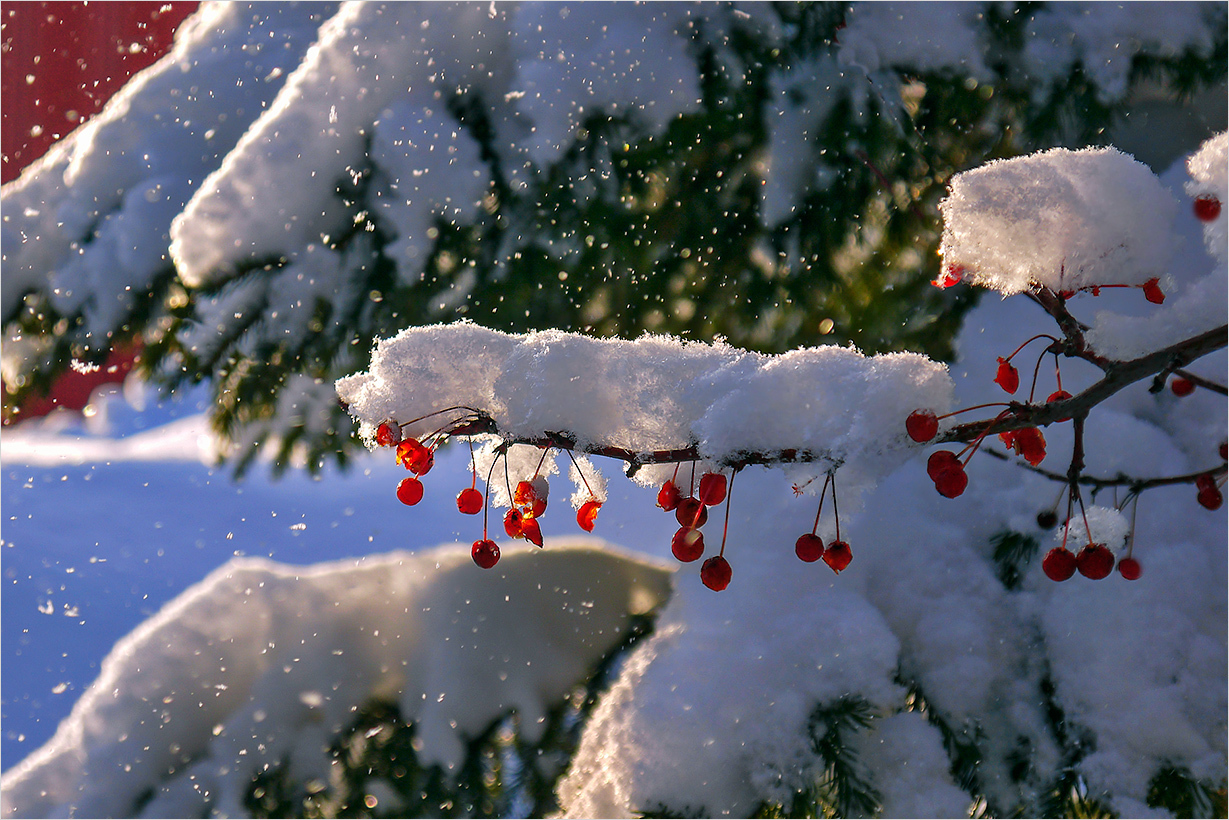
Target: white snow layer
{"x":263,"y":663}
{"x":654,"y":393}
{"x":90,"y":220}
{"x":1060,"y":219}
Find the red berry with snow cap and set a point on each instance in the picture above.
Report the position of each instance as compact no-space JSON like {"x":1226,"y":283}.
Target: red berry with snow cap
{"x":809,"y":547}
{"x":922,"y":425}
{"x":1059,"y":564}
{"x":388,"y":434}
{"x":716,"y":573}
{"x":485,"y":553}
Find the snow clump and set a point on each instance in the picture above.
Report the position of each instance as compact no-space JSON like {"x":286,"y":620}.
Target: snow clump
{"x":1060,"y":219}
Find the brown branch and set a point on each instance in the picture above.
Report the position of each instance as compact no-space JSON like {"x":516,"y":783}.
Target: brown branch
{"x":1134,"y":485}
{"x":1118,"y":375}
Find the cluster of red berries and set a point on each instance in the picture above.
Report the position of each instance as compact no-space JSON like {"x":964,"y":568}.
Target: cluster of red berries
{"x":691,"y":512}
{"x":1095,"y":561}
{"x":528,"y":499}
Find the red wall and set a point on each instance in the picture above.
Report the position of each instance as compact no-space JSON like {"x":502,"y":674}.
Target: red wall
{"x":59,"y":63}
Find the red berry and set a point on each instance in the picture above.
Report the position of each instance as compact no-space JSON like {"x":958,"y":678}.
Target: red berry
{"x":949,"y":276}
{"x":469,"y":501}
{"x":1059,"y":564}
{"x":1047,"y":519}
{"x":939,"y":461}
{"x":712,"y":489}
{"x":1207,"y":208}
{"x":922,"y":425}
{"x":409,"y":491}
{"x":416,"y":458}
{"x":513,"y":523}
{"x":524,"y":493}
{"x":716,"y":573}
{"x":586,"y":516}
{"x":531,"y":531}
{"x":1153,"y":292}
{"x":1182,"y":387}
{"x":838,"y":555}
{"x":388,"y":434}
{"x":1095,"y":561}
{"x":691,"y":513}
{"x":1129,"y":568}
{"x":1210,"y":498}
{"x":809,"y":547}
{"x":952,"y":481}
{"x":1058,"y":395}
{"x":1031,"y":444}
{"x":1007,"y":376}
{"x":1204,"y":481}
{"x":485,"y":553}
{"x":669,"y":496}
{"x":687,"y":544}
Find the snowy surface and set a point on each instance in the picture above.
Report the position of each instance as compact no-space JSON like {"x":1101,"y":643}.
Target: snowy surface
{"x":107,"y":527}
{"x":95,"y":212}
{"x":655,"y":393}
{"x":1060,"y":219}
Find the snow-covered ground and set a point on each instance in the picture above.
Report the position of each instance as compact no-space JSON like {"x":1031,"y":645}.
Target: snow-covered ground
{"x":107,"y":519}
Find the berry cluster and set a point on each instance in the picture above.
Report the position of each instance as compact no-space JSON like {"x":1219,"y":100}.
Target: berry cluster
{"x":691,"y":512}
{"x":946,"y":468}
{"x":529,"y":498}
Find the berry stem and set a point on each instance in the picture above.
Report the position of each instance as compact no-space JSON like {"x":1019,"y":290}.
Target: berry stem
{"x":1030,"y":341}
{"x":725,"y":527}
{"x":822,"y":493}
{"x":835,"y":513}
{"x":581,"y":473}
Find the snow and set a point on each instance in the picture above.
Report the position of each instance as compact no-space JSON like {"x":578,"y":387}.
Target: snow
{"x":111,"y":528}
{"x":652,"y":393}
{"x":261,"y":663}
{"x":95,"y":211}
{"x":367,"y":58}
{"x":1060,"y":219}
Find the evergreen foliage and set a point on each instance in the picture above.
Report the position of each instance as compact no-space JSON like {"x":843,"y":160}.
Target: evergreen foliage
{"x":630,"y":231}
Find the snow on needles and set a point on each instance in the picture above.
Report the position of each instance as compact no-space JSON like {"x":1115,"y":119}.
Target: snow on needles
{"x":261,"y":664}
{"x":653,"y":393}
{"x":1061,"y":219}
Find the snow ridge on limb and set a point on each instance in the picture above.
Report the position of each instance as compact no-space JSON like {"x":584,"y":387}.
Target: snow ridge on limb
{"x":629,"y":399}
{"x":261,"y":664}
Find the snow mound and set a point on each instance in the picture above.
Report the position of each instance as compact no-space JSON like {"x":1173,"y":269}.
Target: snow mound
{"x":261,"y":664}
{"x":1060,"y":219}
{"x":653,"y":393}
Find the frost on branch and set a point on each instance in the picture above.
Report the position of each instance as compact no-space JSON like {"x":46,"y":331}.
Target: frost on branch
{"x":827,"y":405}
{"x":1061,"y":219}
